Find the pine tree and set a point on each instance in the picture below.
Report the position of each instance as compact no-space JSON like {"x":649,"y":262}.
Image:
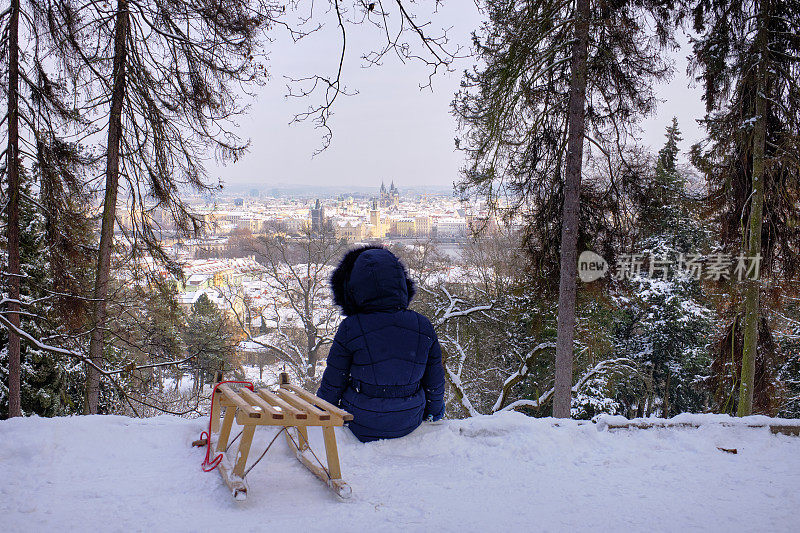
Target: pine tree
{"x":790,"y":369}
{"x":745,"y":56}
{"x":44,"y":375}
{"x":556,"y":73}
{"x":209,"y":335}
{"x":152,"y":333}
{"x":12,"y":168}
{"x":663,"y":317}
{"x":661,"y":200}
{"x":161,"y":87}
{"x":36,"y":114}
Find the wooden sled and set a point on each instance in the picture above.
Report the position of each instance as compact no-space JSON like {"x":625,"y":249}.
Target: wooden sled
{"x":289,"y":406}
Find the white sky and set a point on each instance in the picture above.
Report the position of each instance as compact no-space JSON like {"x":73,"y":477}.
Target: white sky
{"x":390,"y":130}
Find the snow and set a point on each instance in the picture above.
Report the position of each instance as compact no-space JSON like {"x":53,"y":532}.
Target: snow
{"x":696,"y":419}
{"x":185,"y":387}
{"x":504,"y":472}
{"x":271,"y":373}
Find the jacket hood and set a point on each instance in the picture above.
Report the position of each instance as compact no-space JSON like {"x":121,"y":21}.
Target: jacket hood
{"x":369,"y":279}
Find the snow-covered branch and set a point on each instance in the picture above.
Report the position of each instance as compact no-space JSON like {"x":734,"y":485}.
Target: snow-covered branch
{"x":77,"y":355}
{"x":455,"y":377}
{"x":520,"y":374}
{"x":602,"y":366}
{"x":456,"y":383}
{"x":454,"y":311}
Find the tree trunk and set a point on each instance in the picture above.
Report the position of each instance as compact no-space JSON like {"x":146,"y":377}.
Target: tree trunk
{"x":752,"y":286}
{"x":311,"y":370}
{"x":562,"y":396}
{"x":109,"y":207}
{"x":12,"y":156}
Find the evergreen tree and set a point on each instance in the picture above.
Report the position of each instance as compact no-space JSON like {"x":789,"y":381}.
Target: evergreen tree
{"x":555,"y":74}
{"x":661,"y":202}
{"x":34,"y":90}
{"x":746,"y":56}
{"x":149,"y":333}
{"x":209,"y":334}
{"x":790,"y":370}
{"x":12,"y":271}
{"x":664,"y":317}
{"x":44,"y":375}
{"x":164,"y":316}
{"x":160,"y":80}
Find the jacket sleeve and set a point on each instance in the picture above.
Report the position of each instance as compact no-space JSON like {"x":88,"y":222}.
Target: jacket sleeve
{"x":433,"y":381}
{"x":337,"y":371}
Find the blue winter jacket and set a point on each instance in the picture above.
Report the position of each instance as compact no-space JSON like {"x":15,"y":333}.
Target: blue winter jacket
{"x":385,"y":364}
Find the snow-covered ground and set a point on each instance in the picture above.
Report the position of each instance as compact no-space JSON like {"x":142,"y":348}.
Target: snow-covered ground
{"x":494,"y":473}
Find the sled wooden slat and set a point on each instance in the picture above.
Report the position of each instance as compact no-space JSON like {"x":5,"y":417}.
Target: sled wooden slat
{"x":319,"y":402}
{"x":239,"y":401}
{"x":258,"y":401}
{"x":285,"y":406}
{"x":289,"y":406}
{"x":314,"y":412}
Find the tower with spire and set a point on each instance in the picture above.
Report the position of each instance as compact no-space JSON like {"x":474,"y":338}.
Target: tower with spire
{"x":317,"y":217}
{"x":390,"y":197}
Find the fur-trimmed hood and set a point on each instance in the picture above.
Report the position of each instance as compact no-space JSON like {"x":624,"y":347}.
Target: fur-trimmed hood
{"x":371,"y":279}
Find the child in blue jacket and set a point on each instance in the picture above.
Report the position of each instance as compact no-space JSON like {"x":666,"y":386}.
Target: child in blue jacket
{"x":385,"y":364}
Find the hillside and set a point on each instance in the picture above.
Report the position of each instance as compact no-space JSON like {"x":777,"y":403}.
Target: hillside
{"x":495,"y":473}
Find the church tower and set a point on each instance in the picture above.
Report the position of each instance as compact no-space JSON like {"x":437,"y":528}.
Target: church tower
{"x":375,"y":219}
{"x":393,"y":197}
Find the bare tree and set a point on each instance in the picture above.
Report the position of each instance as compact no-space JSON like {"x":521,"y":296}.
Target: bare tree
{"x":294,"y":300}
{"x":154,"y":79}
{"x":408,"y":34}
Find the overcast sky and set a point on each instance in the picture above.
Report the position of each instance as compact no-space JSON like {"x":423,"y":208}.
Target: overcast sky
{"x":390,"y":130}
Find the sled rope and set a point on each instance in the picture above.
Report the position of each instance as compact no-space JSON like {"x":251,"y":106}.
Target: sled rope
{"x":265,"y":451}
{"x":228,"y":447}
{"x":309,"y":448}
{"x":209,"y":465}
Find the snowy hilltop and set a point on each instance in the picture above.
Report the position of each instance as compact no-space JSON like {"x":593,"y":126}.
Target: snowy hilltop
{"x":504,"y":472}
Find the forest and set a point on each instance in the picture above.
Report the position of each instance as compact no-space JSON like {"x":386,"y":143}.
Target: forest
{"x":118,"y":106}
